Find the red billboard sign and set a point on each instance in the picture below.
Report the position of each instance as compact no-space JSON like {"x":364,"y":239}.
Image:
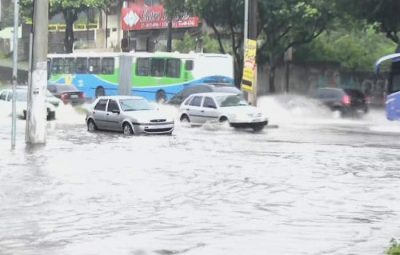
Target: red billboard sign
{"x":141,"y":17}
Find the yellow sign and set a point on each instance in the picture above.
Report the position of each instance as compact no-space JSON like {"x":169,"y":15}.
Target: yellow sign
{"x":249,"y":65}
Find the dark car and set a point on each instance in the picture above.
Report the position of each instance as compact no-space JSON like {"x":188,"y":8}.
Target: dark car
{"x":345,"y":102}
{"x":203,"y":88}
{"x":67,"y":93}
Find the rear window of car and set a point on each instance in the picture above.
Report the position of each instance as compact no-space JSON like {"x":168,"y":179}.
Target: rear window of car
{"x":354,"y":93}
{"x":196,"y":101}
{"x":329,"y":93}
{"x":101,"y":105}
{"x":227,"y":89}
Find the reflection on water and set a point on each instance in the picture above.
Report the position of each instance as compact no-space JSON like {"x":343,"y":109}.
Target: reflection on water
{"x":315,"y":185}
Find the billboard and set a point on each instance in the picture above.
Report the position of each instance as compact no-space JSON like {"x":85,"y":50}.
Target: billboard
{"x":142,"y":17}
{"x":249,"y":65}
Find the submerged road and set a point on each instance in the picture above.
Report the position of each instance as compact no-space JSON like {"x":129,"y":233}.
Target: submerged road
{"x":315,"y":185}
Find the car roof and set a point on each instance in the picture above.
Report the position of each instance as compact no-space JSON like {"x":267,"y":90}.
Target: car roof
{"x":120,"y":97}
{"x":211,"y":94}
{"x":329,"y":88}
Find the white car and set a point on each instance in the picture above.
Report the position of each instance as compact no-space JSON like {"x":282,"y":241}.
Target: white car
{"x":21,"y":102}
{"x":128,"y":114}
{"x":221,"y":107}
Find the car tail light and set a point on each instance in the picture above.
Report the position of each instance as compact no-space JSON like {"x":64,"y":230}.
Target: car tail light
{"x":64,"y":97}
{"x":82,"y":95}
{"x":346,"y":100}
{"x":368,"y":100}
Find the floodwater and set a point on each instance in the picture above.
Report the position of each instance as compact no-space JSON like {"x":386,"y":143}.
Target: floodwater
{"x":314,"y":185}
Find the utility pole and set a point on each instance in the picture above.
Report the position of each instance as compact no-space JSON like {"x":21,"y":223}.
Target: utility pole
{"x":14,"y":75}
{"x":253,"y":35}
{"x":36,"y":110}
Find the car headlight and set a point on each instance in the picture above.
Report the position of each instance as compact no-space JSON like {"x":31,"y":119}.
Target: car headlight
{"x":232,"y":116}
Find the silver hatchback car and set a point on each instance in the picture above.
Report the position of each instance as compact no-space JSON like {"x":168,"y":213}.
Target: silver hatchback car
{"x":129,"y":114}
{"x":221,"y":107}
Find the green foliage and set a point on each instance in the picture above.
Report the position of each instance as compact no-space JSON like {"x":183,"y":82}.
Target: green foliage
{"x":288,"y":23}
{"x":188,"y":43}
{"x":210,"y":45}
{"x":7,"y":19}
{"x":354,"y":50}
{"x":394,"y":248}
{"x":382,"y":14}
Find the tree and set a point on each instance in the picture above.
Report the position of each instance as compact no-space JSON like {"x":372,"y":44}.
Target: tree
{"x":225,"y":18}
{"x":355,"y":49}
{"x":174,"y":9}
{"x":383,"y":14}
{"x":7,"y":17}
{"x":281,"y":24}
{"x":289,"y":23}
{"x":70,"y":10}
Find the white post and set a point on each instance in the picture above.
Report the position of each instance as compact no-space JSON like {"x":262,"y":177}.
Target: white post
{"x":245,"y":35}
{"x":14,"y":75}
{"x":36,"y":110}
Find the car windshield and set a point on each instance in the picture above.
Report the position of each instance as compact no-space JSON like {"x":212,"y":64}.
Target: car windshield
{"x":231,"y":100}
{"x":134,"y":105}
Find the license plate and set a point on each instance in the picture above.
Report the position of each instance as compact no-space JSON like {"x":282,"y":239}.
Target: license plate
{"x":74,"y":96}
{"x":257,"y":120}
{"x":159,"y":126}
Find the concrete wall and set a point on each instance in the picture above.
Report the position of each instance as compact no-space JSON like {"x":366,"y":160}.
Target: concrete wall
{"x":305,"y":78}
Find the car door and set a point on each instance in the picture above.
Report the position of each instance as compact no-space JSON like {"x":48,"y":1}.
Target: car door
{"x":113,"y":115}
{"x":194,"y":109}
{"x":99,"y":114}
{"x":209,"y":110}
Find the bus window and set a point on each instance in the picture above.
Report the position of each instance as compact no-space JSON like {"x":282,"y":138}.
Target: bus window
{"x":81,"y":65}
{"x":189,"y":65}
{"x":107,"y":66}
{"x":395,"y":86}
{"x":173,"y":68}
{"x":69,"y":65}
{"x":157,"y":67}
{"x":57,"y":66}
{"x":94,"y":65}
{"x":143,"y":67}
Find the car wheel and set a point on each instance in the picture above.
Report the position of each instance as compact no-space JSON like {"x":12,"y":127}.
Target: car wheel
{"x":223,"y":120}
{"x":127,"y":129}
{"x":91,"y":126}
{"x":337,"y":113}
{"x":185,"y":121}
{"x":258,"y":128}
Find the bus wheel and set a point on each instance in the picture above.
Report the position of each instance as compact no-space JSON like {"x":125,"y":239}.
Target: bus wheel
{"x":100,"y":92}
{"x":161,"y":97}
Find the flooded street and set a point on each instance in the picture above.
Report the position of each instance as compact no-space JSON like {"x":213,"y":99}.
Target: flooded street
{"x":314,"y":185}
